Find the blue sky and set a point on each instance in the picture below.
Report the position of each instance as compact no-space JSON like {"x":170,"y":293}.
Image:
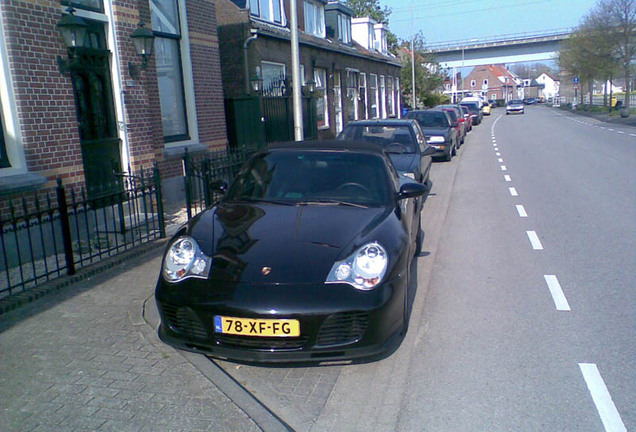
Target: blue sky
{"x":447,"y":20}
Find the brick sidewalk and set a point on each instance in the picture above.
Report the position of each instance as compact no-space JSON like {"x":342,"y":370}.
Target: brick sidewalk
{"x":84,"y":359}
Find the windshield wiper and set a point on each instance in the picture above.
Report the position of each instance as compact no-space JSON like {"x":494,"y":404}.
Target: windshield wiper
{"x":330,"y":202}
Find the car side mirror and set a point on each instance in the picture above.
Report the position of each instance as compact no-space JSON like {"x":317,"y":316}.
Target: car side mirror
{"x":411,"y":190}
{"x":429,"y":151}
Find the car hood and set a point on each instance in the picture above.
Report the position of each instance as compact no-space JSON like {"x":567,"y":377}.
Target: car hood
{"x":428,"y":131}
{"x":404,"y":162}
{"x":282,"y":244}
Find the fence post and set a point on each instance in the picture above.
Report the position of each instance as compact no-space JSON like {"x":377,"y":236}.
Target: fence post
{"x":160,"y":216}
{"x":186,"y":182}
{"x":66,"y":227}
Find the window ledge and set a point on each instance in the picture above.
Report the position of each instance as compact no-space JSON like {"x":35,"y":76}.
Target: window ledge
{"x":179,"y":150}
{"x":20,"y":182}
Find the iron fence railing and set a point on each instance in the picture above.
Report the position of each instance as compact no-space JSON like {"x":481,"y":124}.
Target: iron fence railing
{"x":204,"y":171}
{"x":45,"y":238}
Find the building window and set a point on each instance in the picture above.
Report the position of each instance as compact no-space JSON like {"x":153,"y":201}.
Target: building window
{"x":4,"y":157}
{"x":344,"y":28}
{"x":322,"y":107}
{"x":473,"y":83}
{"x":398,"y":99}
{"x":167,"y":29}
{"x":390,"y":96}
{"x":363,"y":94}
{"x":352,"y":94}
{"x":273,"y":75}
{"x":373,"y":96}
{"x":382,"y":97}
{"x":268,"y":10}
{"x":486,"y":82}
{"x":314,"y":18}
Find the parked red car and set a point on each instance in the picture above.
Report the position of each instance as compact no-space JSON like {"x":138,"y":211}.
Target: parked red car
{"x":457,"y":117}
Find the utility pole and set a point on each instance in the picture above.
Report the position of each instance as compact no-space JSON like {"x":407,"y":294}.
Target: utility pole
{"x":296,"y":81}
{"x":412,"y":61}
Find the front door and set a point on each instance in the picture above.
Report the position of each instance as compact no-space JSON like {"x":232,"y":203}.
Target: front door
{"x":96,"y":116}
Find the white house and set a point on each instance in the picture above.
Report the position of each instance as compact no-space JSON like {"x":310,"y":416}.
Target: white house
{"x":550,"y":86}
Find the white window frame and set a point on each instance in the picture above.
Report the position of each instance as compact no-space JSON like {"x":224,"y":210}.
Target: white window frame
{"x":486,"y":82}
{"x":398,"y":99}
{"x":270,"y":10}
{"x":344,"y":28}
{"x":13,"y":141}
{"x":390,"y":83}
{"x":188,"y":84}
{"x":314,"y":13}
{"x":473,"y":83}
{"x":372,"y":78}
{"x":363,"y":85}
{"x":383,"y":96}
{"x":320,"y":78}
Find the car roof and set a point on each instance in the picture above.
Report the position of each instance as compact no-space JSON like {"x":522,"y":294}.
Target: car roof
{"x":382,"y":122}
{"x":328,"y":145}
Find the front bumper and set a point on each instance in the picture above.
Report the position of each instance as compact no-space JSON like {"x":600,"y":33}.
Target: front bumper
{"x":337,"y":322}
{"x":514,"y":110}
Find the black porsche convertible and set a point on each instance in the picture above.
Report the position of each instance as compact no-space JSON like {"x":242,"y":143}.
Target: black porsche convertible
{"x":306,"y":259}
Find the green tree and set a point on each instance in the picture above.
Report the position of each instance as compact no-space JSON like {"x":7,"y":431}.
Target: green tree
{"x":428,"y":75}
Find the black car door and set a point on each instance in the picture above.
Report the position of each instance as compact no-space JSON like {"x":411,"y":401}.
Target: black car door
{"x":425,"y":159}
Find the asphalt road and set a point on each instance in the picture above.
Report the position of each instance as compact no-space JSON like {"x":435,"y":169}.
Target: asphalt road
{"x":531,"y":299}
{"x":523,"y":315}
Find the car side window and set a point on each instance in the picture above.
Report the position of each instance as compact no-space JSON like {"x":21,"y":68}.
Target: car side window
{"x":421,"y":138}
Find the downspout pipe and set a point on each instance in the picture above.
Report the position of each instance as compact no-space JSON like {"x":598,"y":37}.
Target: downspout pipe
{"x":245,"y":62}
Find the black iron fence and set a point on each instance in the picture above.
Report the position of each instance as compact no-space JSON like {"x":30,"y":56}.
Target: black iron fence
{"x":45,"y":238}
{"x":204,"y":171}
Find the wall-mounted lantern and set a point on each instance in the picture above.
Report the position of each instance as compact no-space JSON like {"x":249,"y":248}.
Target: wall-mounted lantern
{"x":144,"y":42}
{"x":256,"y":84}
{"x":73,"y":30}
{"x":311,"y":86}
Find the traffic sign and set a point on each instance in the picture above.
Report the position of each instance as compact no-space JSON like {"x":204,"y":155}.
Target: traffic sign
{"x":575,"y":80}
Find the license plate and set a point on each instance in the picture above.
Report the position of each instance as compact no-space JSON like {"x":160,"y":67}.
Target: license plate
{"x":257,"y":327}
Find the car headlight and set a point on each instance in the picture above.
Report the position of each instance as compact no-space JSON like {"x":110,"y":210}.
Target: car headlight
{"x":436,"y":139}
{"x":409,"y":175}
{"x":364,"y":269}
{"x":185,"y":259}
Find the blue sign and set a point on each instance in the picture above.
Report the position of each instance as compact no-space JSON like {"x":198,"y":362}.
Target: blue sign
{"x":575,"y":80}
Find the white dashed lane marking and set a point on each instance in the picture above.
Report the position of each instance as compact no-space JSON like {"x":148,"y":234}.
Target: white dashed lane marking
{"x":513,"y":191}
{"x":522,"y":211}
{"x":534,"y":240}
{"x":560,"y":301}
{"x":602,"y":399}
{"x":507,"y":178}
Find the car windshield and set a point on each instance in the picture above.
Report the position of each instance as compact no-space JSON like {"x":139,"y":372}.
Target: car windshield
{"x":430,"y":118}
{"x":305,"y":177}
{"x":515,"y":102}
{"x":471,"y":107}
{"x":395,"y":139}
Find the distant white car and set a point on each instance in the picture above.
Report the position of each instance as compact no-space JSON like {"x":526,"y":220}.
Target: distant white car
{"x":515,"y":106}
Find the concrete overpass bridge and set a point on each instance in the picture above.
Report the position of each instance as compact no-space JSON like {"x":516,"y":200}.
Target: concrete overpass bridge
{"x":514,"y":48}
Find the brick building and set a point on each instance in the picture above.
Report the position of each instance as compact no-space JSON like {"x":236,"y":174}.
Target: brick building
{"x":83,"y":114}
{"x":347,"y":57}
{"x":495,"y":82}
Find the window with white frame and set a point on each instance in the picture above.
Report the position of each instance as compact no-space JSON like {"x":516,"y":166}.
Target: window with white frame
{"x":344,"y":28}
{"x":363,"y":94}
{"x":390,"y":96}
{"x":353,"y":79}
{"x":473,"y":83}
{"x":273,"y":75}
{"x":486,"y":82}
{"x":91,"y":5}
{"x":373,"y":96}
{"x":322,"y":107}
{"x":268,"y":10}
{"x":398,"y":98}
{"x":314,"y":18}
{"x":167,"y":29}
{"x":382,"y":97}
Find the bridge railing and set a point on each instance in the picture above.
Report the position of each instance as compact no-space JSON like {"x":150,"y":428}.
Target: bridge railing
{"x":471,"y":43}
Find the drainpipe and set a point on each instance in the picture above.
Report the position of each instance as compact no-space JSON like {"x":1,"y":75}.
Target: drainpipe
{"x":254,"y":33}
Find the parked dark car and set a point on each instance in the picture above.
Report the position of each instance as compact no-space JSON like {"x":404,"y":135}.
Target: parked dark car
{"x":403,"y":140}
{"x":440,"y":133}
{"x":457,"y":117}
{"x":306,"y":259}
{"x":475,"y":112}
{"x":529,"y":101}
